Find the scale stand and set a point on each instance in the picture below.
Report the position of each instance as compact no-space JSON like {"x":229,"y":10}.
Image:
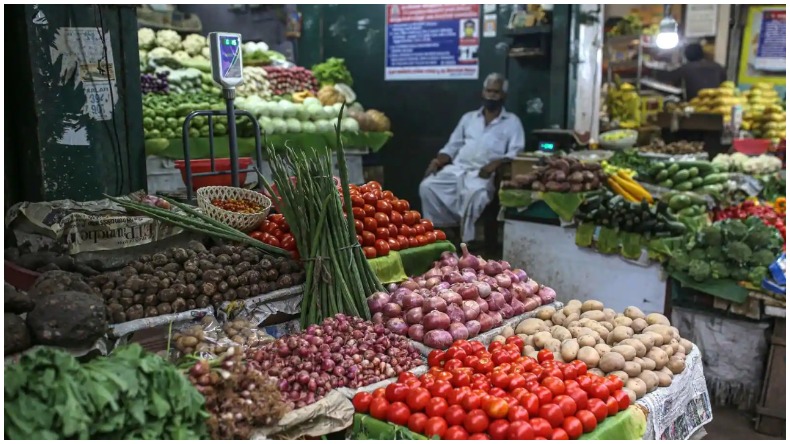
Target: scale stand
{"x":226,"y":70}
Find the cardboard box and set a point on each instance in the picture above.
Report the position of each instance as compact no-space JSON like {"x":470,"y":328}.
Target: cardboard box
{"x":523,"y":165}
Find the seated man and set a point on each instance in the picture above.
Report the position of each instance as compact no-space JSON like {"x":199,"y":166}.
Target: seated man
{"x":459,"y":182}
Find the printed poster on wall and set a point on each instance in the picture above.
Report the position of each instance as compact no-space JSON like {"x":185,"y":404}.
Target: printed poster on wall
{"x":432,"y":42}
{"x":764,"y":48}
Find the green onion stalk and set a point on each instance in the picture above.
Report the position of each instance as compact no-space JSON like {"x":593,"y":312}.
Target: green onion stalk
{"x":338,"y":277}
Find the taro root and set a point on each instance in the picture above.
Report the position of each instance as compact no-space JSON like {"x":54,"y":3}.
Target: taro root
{"x":159,"y":259}
{"x":145,"y":258}
{"x":164,"y":308}
{"x":233,"y":281}
{"x":202,"y":301}
{"x":249,"y":255}
{"x":190,"y":277}
{"x":243,"y":267}
{"x":272,"y":275}
{"x":229,"y":270}
{"x":68,"y":319}
{"x":223,"y":259}
{"x":192,"y":290}
{"x":253,"y":277}
{"x":57,"y":281}
{"x":230,"y":295}
{"x":165,"y":283}
{"x":16,"y":301}
{"x":116,"y":313}
{"x":128,"y":271}
{"x":235,"y":258}
{"x":196,"y":246}
{"x":179,"y":305}
{"x":266,"y":263}
{"x":167,"y":295}
{"x":222,"y":287}
{"x":266,"y":287}
{"x":205,"y":265}
{"x":180,"y":255}
{"x":150,"y":300}
{"x":17,"y":337}
{"x":171,"y":268}
{"x":127,"y":293}
{"x":211,"y":276}
{"x":255,"y":290}
{"x":285,"y":267}
{"x":137,"y":265}
{"x":135,"y":312}
{"x":285,"y":281}
{"x":126,"y":302}
{"x":217,"y":300}
{"x":151,"y":312}
{"x":243,"y":280}
{"x":179,"y":289}
{"x":191,"y":305}
{"x":243,"y":292}
{"x":191,"y":266}
{"x":208,"y":288}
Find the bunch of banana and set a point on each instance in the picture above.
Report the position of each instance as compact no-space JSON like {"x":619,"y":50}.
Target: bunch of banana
{"x":622,"y":184}
{"x":610,"y":169}
{"x":624,"y":105}
{"x":718,"y":100}
{"x":763,"y":115}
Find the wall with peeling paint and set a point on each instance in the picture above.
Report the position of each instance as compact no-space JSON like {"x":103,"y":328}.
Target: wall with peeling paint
{"x":76,"y":126}
{"x":424,"y":113}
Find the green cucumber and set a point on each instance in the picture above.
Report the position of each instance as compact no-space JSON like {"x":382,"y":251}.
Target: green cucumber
{"x":693,"y":171}
{"x":715,"y":178}
{"x":681,"y":176}
{"x":666,"y":183}
{"x":674,"y":168}
{"x":679,"y":202}
{"x":704,"y":167}
{"x":656,"y":168}
{"x":684,"y":186}
{"x":662,"y":175}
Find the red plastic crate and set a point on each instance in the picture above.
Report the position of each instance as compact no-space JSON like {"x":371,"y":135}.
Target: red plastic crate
{"x":204,"y":166}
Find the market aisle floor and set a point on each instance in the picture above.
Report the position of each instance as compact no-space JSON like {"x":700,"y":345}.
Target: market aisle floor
{"x":729,"y":423}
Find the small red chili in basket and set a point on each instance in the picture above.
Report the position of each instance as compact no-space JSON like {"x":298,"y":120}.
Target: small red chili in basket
{"x":243,"y":206}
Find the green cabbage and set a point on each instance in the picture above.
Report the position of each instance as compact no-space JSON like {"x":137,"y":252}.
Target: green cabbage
{"x":349,"y":124}
{"x":288,"y":108}
{"x":294,"y":126}
{"x":280,"y":127}
{"x":309,"y":127}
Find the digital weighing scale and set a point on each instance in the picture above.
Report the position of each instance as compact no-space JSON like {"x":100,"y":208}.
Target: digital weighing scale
{"x":553,"y":140}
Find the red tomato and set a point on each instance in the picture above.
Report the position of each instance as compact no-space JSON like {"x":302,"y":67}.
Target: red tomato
{"x":370,"y":252}
{"x":455,"y":433}
{"x":384,"y":206}
{"x":361,"y":402}
{"x":393,"y":243}
{"x":387,"y":195}
{"x":556,"y":385}
{"x":520,"y":430}
{"x":257,"y":235}
{"x":612,"y":406}
{"x":436,"y":407}
{"x":455,"y":415}
{"x":370,"y":210}
{"x":518,"y":413}
{"x":589,"y":423}
{"x":613,"y":383}
{"x":622,"y":398}
{"x":599,"y":391}
{"x":496,"y":407}
{"x":461,"y":380}
{"x":409,"y":218}
{"x":436,"y":358}
{"x":370,"y":224}
{"x":368,"y":239}
{"x":379,"y":392}
{"x":559,"y":434}
{"x":455,"y":396}
{"x":566,"y":404}
{"x":418,"y":398}
{"x":419,"y":229}
{"x":571,"y":385}
{"x":441,"y":389}
{"x":381,"y":219}
{"x":479,"y":437}
{"x":379,"y":407}
{"x":370,"y":198}
{"x":382,"y":233}
{"x":545,"y":355}
{"x":403,"y":241}
{"x":568,"y":372}
{"x":544,"y":395}
{"x":552,"y":413}
{"x":427,"y":224}
{"x":398,"y":413}
{"x":359,"y":227}
{"x":471,"y":402}
{"x":382,"y":247}
{"x":373,"y":185}
{"x":499,"y":379}
{"x":573,"y":427}
{"x":396,"y":218}
{"x":484,"y":365}
{"x":440,"y":235}
{"x":498,"y":429}
{"x":430,"y":236}
{"x":598,"y":408}
{"x":530,"y":402}
{"x":453,"y":364}
{"x":405,"y":205}
{"x":392,"y":229}
{"x":435,"y":426}
{"x":541,"y":427}
{"x":421,"y":240}
{"x":358,"y":213}
{"x":396,"y":392}
{"x":417,"y":422}
{"x":357,"y":201}
{"x":579,"y":397}
{"x":515,"y":340}
{"x":413,"y":242}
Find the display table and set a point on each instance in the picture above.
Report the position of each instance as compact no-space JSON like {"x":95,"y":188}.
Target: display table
{"x":549,"y":254}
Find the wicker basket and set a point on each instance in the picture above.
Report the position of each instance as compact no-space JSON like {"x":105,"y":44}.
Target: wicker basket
{"x":239,"y":221}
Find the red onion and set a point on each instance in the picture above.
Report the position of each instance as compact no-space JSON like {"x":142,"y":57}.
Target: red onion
{"x":448,"y":258}
{"x":486,"y":322}
{"x":417,"y":332}
{"x":513,"y":278}
{"x":411,"y":300}
{"x":469,"y":276}
{"x":496,"y":317}
{"x":482,"y":304}
{"x":409,"y":284}
{"x":453,"y":277}
{"x":441,"y":286}
{"x":458,"y":331}
{"x":414,"y":316}
{"x":467,"y":260}
{"x":436,"y":320}
{"x":469,"y":292}
{"x":397,"y":297}
{"x":436,"y":271}
{"x":531,"y":287}
{"x":495,"y":301}
{"x":502,"y":280}
{"x":440,"y":339}
{"x":484,"y":289}
{"x":391,"y":310}
{"x":471,"y":309}
{"x":518,"y":306}
{"x":507,"y":294}
{"x":522,"y":275}
{"x":448,"y":269}
{"x":421,"y":282}
{"x":473,"y":327}
{"x":392,"y":287}
{"x":531,"y":304}
{"x":434,"y":303}
{"x":547,"y":295}
{"x":432,"y":282}
{"x":450,"y":297}
{"x":506,"y":311}
{"x":378,"y":318}
{"x":455,"y":313}
{"x":492,"y":268}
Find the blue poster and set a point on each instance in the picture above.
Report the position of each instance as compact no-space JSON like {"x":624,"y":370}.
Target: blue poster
{"x":432,"y":42}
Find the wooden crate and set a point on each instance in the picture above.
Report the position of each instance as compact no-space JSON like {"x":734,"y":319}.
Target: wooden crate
{"x":771,"y":410}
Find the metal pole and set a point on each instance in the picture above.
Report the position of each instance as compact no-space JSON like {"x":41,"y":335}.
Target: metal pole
{"x":233,"y":149}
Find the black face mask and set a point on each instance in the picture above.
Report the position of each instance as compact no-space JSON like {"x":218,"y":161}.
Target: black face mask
{"x":493,"y":104}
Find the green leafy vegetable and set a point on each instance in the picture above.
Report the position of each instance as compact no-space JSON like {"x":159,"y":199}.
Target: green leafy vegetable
{"x":332,"y":72}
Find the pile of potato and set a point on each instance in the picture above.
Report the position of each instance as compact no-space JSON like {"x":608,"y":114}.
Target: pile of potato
{"x":645,"y":351}
{"x":207,"y":337}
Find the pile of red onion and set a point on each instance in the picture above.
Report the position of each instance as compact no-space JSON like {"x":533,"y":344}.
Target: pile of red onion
{"x":343,"y":351}
{"x":459,"y":298}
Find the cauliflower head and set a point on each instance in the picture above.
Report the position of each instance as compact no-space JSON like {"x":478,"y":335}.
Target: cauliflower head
{"x":167,"y":38}
{"x":159,"y":53}
{"x":181,"y":56}
{"x":193,"y":44}
{"x":699,"y":270}
{"x":146,"y":38}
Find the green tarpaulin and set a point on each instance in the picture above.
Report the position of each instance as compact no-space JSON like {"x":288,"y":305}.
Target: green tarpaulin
{"x":564,"y":204}
{"x":399,"y":265}
{"x":199,"y":146}
{"x":720,"y":288}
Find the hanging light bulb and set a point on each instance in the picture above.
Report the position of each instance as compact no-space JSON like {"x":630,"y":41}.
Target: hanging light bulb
{"x":667,"y":37}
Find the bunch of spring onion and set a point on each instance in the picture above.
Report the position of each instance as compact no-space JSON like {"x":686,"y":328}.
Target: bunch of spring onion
{"x":338,"y":277}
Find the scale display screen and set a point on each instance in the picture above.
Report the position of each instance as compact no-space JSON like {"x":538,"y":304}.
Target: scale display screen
{"x":546,"y":146}
{"x":229,"y":55}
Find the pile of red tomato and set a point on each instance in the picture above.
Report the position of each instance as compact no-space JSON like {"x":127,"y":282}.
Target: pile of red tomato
{"x":275,"y":232}
{"x":385,"y":223}
{"x":471,"y":392}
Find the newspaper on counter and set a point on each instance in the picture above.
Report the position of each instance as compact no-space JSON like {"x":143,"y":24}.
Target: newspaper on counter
{"x":332,"y":413}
